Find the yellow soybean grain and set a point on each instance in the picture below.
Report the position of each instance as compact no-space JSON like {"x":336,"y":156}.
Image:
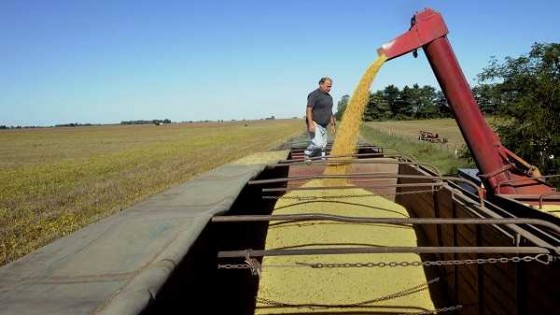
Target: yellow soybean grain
{"x":347,"y":133}
{"x":552,"y":209}
{"x":287,"y":282}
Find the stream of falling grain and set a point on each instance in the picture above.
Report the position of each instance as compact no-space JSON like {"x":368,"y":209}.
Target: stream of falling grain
{"x":352,"y":119}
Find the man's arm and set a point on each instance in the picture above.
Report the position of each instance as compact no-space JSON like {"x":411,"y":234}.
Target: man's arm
{"x":309,"y":116}
{"x":333,"y":124}
{"x":311,"y":99}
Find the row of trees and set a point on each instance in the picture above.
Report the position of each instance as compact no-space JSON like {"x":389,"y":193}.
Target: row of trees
{"x":526,"y":91}
{"x":415,"y":103}
{"x":522,"y":93}
{"x":145,"y":122}
{"x":74,"y":125}
{"x":34,"y":127}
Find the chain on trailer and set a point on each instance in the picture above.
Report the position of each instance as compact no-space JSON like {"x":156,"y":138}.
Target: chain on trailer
{"x":256,"y":268}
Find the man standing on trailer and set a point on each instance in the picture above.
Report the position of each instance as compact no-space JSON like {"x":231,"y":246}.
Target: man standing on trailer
{"x":318,"y":116}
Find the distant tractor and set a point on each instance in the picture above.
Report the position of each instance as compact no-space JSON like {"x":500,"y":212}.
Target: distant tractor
{"x":430,"y":137}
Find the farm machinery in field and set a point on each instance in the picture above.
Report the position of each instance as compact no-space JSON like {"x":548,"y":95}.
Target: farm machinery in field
{"x":429,"y":136}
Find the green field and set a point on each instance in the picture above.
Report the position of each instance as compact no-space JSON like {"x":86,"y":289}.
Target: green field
{"x":402,"y":137}
{"x":55,"y":180}
{"x":445,"y":128}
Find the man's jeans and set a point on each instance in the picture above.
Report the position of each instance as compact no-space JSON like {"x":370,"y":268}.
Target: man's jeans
{"x":318,"y":142}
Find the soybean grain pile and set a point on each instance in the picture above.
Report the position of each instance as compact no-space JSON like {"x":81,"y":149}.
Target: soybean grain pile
{"x":291,"y":288}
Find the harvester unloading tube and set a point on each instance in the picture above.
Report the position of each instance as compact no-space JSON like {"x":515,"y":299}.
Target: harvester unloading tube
{"x":496,"y":163}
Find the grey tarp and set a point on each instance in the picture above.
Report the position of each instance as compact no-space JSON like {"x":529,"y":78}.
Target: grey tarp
{"x":115,"y":266}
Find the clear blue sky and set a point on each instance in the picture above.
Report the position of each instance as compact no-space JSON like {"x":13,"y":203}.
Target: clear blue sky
{"x":107,"y":61}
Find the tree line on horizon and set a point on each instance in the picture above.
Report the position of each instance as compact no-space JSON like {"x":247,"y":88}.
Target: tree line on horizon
{"x":146,"y":122}
{"x":409,"y":103}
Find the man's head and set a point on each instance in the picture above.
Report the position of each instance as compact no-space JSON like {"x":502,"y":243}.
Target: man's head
{"x":325,"y":84}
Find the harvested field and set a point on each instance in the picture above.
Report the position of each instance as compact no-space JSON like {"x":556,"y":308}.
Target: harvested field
{"x":55,"y":180}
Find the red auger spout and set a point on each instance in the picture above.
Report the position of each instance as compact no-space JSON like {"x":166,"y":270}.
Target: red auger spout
{"x":501,"y":171}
